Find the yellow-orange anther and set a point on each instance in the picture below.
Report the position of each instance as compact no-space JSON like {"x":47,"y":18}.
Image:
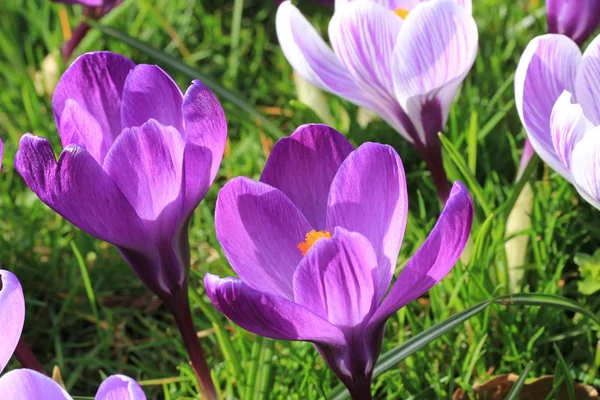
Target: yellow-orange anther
{"x":311,"y":238}
{"x":401,"y":12}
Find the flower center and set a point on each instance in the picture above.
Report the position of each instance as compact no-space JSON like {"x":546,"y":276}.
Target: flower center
{"x":311,"y":238}
{"x":401,"y":12}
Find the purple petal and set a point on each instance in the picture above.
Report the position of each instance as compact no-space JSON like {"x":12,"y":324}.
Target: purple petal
{"x":587,"y":82}
{"x":577,"y":19}
{"x":269,"y":315}
{"x":150,"y":93}
{"x":12,"y":315}
{"x":585,"y":167}
{"x":77,"y":126}
{"x":303,"y":165}
{"x":95,"y":81}
{"x":434,"y":53}
{"x":259,"y":229}
{"x":205,"y":123}
{"x":337,"y":279}
{"x":81,"y":191}
{"x":120,"y":387}
{"x":435,"y":258}
{"x":547,"y":68}
{"x":26,"y":384}
{"x":368,"y":196}
{"x":567,"y":126}
{"x":89,"y":3}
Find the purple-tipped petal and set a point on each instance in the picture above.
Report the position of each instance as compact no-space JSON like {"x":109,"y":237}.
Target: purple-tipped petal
{"x":368,"y":196}
{"x":259,"y":229}
{"x":81,"y":191}
{"x":303,"y":165}
{"x":547,"y":68}
{"x":120,"y":387}
{"x":577,"y":19}
{"x":269,"y":315}
{"x":567,"y":126}
{"x":26,"y":384}
{"x":77,"y":126}
{"x":435,"y":258}
{"x":585,"y":167}
{"x":205,"y":123}
{"x":150,"y":93}
{"x":12,"y":315}
{"x":95,"y":81}
{"x":337,"y":279}
{"x":434,"y":53}
{"x":587,"y":82}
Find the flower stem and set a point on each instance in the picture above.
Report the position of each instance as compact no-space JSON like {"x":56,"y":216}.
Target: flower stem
{"x":26,"y":357}
{"x":180,"y":307}
{"x":435,"y":164}
{"x":360,"y":389}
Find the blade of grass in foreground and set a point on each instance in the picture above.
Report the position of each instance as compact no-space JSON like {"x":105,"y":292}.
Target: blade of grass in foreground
{"x":519,"y":384}
{"x":193,"y":73}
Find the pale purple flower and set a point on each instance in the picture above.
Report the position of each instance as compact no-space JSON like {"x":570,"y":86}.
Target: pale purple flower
{"x":315,"y":244}
{"x":402,"y":59}
{"x":550,"y":65}
{"x":26,"y":384}
{"x":577,"y":19}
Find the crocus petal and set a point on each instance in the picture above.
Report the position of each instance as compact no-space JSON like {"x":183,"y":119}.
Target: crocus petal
{"x":337,"y":279}
{"x":435,"y":257}
{"x":26,"y":384}
{"x":310,"y":56}
{"x":150,"y":93}
{"x":547,"y":68}
{"x":368,"y":196}
{"x":585,"y":166}
{"x":12,"y":315}
{"x":77,"y":126}
{"x":259,"y":229}
{"x":303,"y":165}
{"x":120,"y":387}
{"x":434,"y":53}
{"x":567,"y":127}
{"x":577,"y":19}
{"x":205,"y":123}
{"x":587,"y":82}
{"x":267,"y":314}
{"x":88,"y":3}
{"x":95,"y":81}
{"x":80,"y":190}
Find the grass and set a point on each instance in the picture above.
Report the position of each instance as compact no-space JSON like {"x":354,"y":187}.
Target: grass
{"x":88,"y":314}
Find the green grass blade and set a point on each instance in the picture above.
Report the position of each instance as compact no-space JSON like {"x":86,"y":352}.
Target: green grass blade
{"x":566,"y":372}
{"x":87,"y":283}
{"x":193,"y":73}
{"x":519,"y":384}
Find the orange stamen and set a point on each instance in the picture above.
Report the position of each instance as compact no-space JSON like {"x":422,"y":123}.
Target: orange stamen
{"x":401,"y":12}
{"x":311,"y":238}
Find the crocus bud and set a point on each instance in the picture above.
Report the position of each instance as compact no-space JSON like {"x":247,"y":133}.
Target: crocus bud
{"x":577,"y":19}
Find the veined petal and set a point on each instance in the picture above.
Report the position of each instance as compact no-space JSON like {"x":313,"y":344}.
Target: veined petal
{"x":205,"y":123}
{"x":81,"y":191}
{"x":12,"y":315}
{"x":77,"y":126}
{"x":368,"y":195}
{"x":434,"y":53}
{"x":26,"y":384}
{"x":120,"y":387}
{"x":95,"y":81}
{"x":405,"y":4}
{"x":547,"y":68}
{"x":435,"y":257}
{"x":337,"y":279}
{"x":577,"y":19}
{"x":587,"y":82}
{"x":585,"y":167}
{"x":150,"y":93}
{"x":260,"y":229}
{"x":567,"y":126}
{"x":269,"y":315}
{"x":303,"y":165}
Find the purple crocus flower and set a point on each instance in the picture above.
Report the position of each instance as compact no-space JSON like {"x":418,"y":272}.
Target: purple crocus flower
{"x":577,"y":19}
{"x":550,"y":65}
{"x":315,"y":244}
{"x":402,"y":59}
{"x":138,"y":158}
{"x":26,"y":384}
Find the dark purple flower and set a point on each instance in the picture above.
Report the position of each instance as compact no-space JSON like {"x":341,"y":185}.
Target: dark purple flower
{"x":577,"y":19}
{"x":315,"y":244}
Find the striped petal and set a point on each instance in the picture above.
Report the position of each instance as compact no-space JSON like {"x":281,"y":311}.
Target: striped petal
{"x":587,"y":82}
{"x":586,"y":167}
